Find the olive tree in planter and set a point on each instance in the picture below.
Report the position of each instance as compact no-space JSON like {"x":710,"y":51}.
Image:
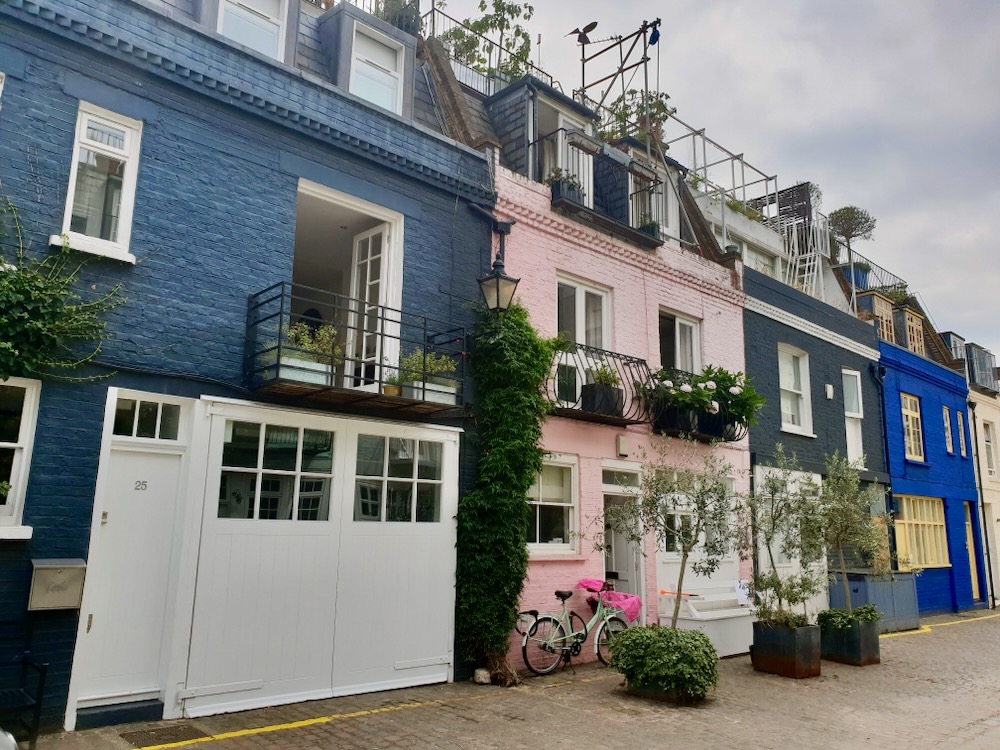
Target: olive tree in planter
{"x":781,"y":515}
{"x":684,"y":504}
{"x":851,"y":530}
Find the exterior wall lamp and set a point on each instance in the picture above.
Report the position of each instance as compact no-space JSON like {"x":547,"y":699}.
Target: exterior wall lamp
{"x":497,"y":287}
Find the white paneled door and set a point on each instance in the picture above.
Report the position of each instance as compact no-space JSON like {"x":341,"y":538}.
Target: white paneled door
{"x":119,"y":652}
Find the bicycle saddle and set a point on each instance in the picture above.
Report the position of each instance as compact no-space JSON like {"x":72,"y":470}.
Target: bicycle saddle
{"x":563,"y":595}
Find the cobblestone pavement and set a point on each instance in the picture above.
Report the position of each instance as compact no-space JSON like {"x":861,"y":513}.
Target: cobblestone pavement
{"x":939,"y":688}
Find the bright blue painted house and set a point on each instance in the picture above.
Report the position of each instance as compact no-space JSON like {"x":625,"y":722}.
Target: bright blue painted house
{"x":934,"y":500}
{"x":252,"y":510}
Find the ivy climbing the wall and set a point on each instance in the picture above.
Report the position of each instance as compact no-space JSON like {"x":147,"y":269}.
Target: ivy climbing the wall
{"x":510,"y":365}
{"x":46,"y":328}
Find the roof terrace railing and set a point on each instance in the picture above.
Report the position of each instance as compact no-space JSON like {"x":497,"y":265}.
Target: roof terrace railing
{"x":478,"y":62}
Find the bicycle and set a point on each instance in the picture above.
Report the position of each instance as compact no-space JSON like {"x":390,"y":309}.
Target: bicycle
{"x":550,"y":639}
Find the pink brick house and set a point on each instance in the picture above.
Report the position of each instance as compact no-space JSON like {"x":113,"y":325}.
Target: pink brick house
{"x":615,"y":254}
{"x":628,"y":301}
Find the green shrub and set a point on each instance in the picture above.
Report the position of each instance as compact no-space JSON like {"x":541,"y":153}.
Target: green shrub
{"x":842,"y":618}
{"x":683,"y":663}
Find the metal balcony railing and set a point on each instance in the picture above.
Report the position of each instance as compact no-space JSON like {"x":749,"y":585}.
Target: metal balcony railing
{"x":403,"y":14}
{"x":672,"y":417}
{"x":302,"y":340}
{"x":597,"y":385}
{"x":601,"y":185}
{"x":478,"y":62}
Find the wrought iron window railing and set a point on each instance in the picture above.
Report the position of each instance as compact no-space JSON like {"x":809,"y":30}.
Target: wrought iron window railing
{"x":300,"y":335}
{"x":596,"y":384}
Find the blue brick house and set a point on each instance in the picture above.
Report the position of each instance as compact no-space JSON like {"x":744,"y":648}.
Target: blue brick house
{"x":808,"y":355}
{"x":264,"y":480}
{"x":935,"y":503}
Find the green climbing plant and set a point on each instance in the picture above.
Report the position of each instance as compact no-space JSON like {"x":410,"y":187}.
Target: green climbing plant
{"x":47,"y":329}
{"x":510,"y":364}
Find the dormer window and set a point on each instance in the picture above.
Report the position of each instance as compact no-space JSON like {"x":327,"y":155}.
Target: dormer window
{"x":882,"y":308}
{"x":914,"y":333}
{"x":377,"y":69}
{"x":257,"y":24}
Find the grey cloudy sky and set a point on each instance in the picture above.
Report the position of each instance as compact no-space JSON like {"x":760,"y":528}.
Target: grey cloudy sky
{"x":893,"y":106}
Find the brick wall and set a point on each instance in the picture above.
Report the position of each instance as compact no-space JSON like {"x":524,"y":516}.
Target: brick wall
{"x":215,"y":216}
{"x":508,"y":112}
{"x":544,"y":245}
{"x":948,"y":476}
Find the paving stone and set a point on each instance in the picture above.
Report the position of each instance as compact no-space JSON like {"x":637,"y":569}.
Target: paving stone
{"x":936,"y":689}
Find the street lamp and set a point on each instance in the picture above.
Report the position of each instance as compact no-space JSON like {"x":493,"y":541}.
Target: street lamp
{"x":497,"y":287}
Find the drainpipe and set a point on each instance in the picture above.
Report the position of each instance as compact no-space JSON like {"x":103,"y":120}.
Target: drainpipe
{"x":532,"y":135}
{"x":982,"y":506}
{"x":877,"y":371}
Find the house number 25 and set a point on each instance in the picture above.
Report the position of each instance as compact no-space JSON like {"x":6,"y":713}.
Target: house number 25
{"x":140,"y":486}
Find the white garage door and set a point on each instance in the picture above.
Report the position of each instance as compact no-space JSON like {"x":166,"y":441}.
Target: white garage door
{"x":327,"y":560}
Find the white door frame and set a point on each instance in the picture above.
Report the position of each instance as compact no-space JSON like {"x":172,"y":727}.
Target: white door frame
{"x":108,"y":441}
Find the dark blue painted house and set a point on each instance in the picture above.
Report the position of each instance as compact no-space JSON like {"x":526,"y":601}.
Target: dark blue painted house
{"x":264,"y":481}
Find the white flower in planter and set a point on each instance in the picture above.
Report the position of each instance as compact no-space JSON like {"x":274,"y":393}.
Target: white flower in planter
{"x":710,"y":384}
{"x":686,"y":388}
{"x":736,"y":390}
{"x":668,"y":384}
{"x":713,"y":408}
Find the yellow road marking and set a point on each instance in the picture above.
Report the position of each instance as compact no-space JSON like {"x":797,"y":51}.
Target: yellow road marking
{"x":929,"y":628}
{"x":302,"y":723}
{"x":331,"y":718}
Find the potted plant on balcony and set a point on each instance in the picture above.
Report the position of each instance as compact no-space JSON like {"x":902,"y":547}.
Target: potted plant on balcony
{"x":781,"y":514}
{"x":311,"y":353}
{"x":564,"y":185}
{"x":602,"y":395}
{"x":675,"y":398}
{"x":427,"y":376}
{"x":850,"y":530}
{"x":733,"y":407}
{"x":649,"y":225}
{"x":392,"y":380}
{"x":857,"y":275}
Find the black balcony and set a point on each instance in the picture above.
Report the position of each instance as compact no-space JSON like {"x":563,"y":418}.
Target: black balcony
{"x":590,"y":181}
{"x":318,"y":349}
{"x":598,"y":386}
{"x":678,"y":419}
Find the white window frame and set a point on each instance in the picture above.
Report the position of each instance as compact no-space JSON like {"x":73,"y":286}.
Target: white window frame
{"x":963,"y":447}
{"x":913,"y":427}
{"x":989,"y":443}
{"x":921,"y":532}
{"x":582,"y":287}
{"x":568,"y":546}
{"x":854,"y":420}
{"x":805,"y":396}
{"x":382,"y":39}
{"x":119,"y":250}
{"x":949,"y":441}
{"x":281,"y":22}
{"x":13,"y":513}
{"x":682,"y":321}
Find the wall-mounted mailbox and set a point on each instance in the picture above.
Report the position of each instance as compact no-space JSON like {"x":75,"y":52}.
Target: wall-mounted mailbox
{"x":57,"y":583}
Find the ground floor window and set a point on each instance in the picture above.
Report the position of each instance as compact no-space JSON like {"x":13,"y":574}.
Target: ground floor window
{"x":921,"y":535}
{"x":552,"y":499}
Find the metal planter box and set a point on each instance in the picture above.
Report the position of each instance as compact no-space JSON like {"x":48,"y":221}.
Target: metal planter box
{"x":856,"y":645}
{"x":895,"y":597}
{"x":789,"y":652}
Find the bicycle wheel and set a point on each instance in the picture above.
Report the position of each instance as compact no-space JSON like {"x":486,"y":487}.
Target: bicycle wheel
{"x":542,"y":646}
{"x":606,"y":632}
